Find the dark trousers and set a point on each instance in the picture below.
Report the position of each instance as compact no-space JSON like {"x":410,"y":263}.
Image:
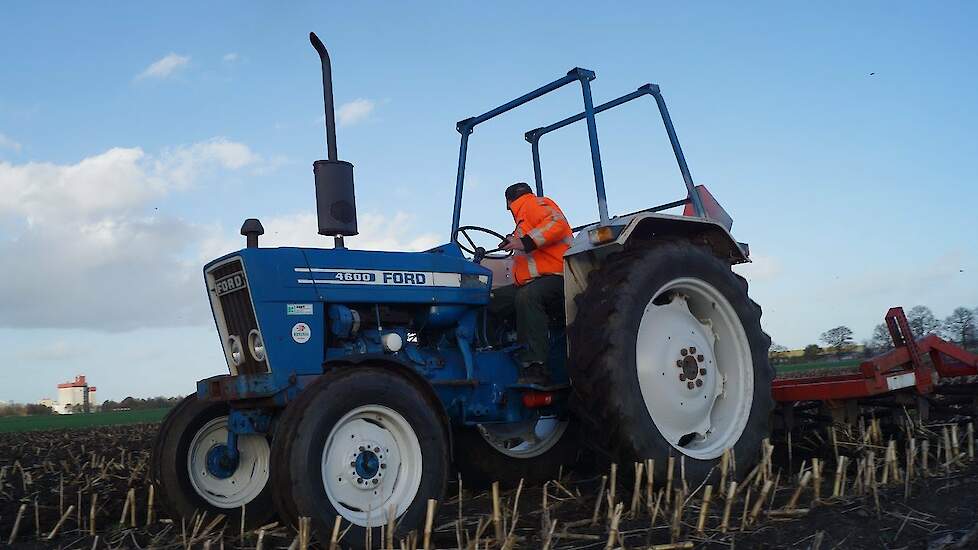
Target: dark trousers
{"x":533,"y":304}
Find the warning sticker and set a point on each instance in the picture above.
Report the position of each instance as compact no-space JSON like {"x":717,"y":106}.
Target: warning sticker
{"x":301,"y":333}
{"x":298,"y":309}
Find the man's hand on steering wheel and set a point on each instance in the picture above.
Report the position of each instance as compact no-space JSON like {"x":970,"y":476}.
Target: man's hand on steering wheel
{"x":513,"y":243}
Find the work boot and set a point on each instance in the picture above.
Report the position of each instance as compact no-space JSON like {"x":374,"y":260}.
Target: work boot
{"x":533,"y":374}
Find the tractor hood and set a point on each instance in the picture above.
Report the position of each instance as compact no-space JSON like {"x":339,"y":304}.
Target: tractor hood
{"x":287,"y":289}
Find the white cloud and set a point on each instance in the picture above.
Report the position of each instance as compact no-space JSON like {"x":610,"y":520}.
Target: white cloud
{"x":110,"y":182}
{"x":230,"y":57}
{"x":9,"y":143}
{"x":82,"y":248}
{"x":355,"y":111}
{"x":164,"y":67}
{"x":183,"y":164}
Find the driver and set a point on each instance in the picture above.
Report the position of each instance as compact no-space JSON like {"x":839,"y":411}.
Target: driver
{"x":541,"y":237}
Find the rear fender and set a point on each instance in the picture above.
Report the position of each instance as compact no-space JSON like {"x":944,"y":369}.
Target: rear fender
{"x":584,"y":256}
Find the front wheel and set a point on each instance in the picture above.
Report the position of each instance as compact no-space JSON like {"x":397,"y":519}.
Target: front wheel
{"x":668,"y":356}
{"x":367,"y":443}
{"x":191,"y":479}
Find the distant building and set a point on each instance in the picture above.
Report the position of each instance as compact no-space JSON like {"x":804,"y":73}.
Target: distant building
{"x":73,"y":397}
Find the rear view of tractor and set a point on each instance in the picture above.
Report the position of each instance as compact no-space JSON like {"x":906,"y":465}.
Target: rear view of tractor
{"x":360,"y":381}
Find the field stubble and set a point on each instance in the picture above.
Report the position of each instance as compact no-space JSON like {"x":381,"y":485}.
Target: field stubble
{"x":89,"y":489}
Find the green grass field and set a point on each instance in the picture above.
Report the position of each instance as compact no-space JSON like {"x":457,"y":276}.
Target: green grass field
{"x":75,"y":421}
{"x":826,"y":365}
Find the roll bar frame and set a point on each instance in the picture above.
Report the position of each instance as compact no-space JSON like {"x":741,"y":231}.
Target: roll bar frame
{"x":584,"y":76}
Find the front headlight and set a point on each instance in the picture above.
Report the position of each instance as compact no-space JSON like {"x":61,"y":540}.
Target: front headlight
{"x":256,"y":345}
{"x":236,"y":351}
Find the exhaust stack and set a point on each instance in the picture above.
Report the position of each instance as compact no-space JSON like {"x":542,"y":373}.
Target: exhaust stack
{"x":335,"y":196}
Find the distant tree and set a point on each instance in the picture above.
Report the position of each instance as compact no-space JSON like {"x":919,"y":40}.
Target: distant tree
{"x":881,"y":341}
{"x":922,"y":321}
{"x":960,"y":326}
{"x":11,"y":409}
{"x":138,"y":403}
{"x":812,"y":351}
{"x":38,"y":409}
{"x":776,"y":353}
{"x":839,"y":338}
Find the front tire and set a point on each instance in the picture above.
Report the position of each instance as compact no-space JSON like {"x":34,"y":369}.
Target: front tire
{"x":366,"y":441}
{"x":190,"y":431}
{"x":668,"y":355}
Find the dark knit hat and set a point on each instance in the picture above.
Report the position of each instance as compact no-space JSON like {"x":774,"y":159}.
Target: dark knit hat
{"x":516,"y":191}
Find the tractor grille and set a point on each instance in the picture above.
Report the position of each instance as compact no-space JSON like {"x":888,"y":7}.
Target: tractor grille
{"x":233,"y":302}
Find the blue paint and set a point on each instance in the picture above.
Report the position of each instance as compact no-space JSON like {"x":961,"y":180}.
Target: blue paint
{"x":367,"y":464}
{"x":474,"y":383}
{"x":221,"y":463}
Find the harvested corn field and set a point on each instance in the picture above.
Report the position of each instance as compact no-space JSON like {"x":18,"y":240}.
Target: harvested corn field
{"x":912,"y":487}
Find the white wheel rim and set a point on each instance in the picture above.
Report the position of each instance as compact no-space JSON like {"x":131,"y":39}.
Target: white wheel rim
{"x":247,"y":480}
{"x":527,"y":441}
{"x":695,"y":368}
{"x":365,"y":497}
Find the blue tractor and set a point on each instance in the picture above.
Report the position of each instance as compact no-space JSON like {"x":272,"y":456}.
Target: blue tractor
{"x":361,"y":380}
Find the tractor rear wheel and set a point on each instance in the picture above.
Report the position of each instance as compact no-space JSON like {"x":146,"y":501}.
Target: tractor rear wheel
{"x":533,"y":452}
{"x":190,"y":481}
{"x":364,"y":441}
{"x":667,"y":356}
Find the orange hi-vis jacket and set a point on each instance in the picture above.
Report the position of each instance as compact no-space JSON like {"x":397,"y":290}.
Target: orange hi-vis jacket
{"x":546,"y":235}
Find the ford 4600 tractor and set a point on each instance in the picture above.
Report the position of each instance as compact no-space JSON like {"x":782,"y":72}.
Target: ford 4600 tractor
{"x":359,"y":380}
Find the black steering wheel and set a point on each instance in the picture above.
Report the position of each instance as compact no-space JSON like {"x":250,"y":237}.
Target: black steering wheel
{"x":478,"y":252}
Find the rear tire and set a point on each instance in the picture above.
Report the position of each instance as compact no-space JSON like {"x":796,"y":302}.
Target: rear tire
{"x":484,"y":455}
{"x":668,"y":356}
{"x":354,"y":427}
{"x":179,"y":469}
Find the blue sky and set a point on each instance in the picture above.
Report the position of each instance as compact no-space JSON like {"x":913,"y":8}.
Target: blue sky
{"x":134,"y":138}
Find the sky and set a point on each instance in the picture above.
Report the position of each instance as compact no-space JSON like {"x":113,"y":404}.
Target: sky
{"x":135,"y":138}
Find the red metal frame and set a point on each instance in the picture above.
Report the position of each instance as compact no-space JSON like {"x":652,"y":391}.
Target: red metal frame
{"x":880,"y":374}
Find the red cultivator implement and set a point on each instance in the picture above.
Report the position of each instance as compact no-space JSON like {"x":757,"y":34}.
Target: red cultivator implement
{"x":894,"y":372}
